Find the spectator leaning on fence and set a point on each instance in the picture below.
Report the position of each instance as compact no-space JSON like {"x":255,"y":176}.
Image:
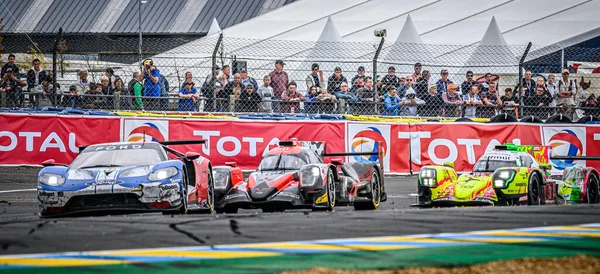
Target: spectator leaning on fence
{"x":472,"y":101}
{"x":82,"y":84}
{"x":442,"y":84}
{"x":249,"y":100}
{"x":582,"y":96}
{"x":491,"y":100}
{"x":48,"y":96}
{"x":315,"y":78}
{"x":291,"y":98}
{"x":465,"y":87}
{"x":366,"y":93}
{"x":434,"y":103}
{"x":189,"y":79}
{"x":247,"y":80}
{"x":235,"y":87}
{"x":411,"y":101}
{"x":311,"y":105}
{"x":510,"y":101}
{"x":538,"y":103}
{"x":485,"y":86}
{"x":451,"y":99}
{"x":188,"y":97}
{"x":266,"y":93}
{"x":92,"y":98}
{"x":71,"y":99}
{"x":334,"y":83}
{"x":11,"y":85}
{"x":392,"y":102}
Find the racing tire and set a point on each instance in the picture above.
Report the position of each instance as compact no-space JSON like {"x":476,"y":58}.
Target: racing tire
{"x":534,"y":191}
{"x":592,"y":190}
{"x":558,"y":119}
{"x":210,"y":194}
{"x":375,"y":194}
{"x":588,"y":118}
{"x":531,"y":119}
{"x":330,"y":191}
{"x":463,"y":119}
{"x":503,"y":118}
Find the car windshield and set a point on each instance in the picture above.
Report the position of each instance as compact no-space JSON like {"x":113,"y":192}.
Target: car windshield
{"x":490,"y":165}
{"x":105,"y":156}
{"x":283,"y":162}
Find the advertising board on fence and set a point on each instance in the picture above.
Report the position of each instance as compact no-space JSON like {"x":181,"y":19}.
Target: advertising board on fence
{"x":31,"y":139}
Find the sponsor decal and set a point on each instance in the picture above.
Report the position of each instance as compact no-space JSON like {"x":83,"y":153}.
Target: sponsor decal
{"x":323,"y":199}
{"x":117,"y":147}
{"x":145,"y":130}
{"x":523,"y":198}
{"x":233,"y":196}
{"x":168,"y":187}
{"x":140,"y":188}
{"x":289,"y":194}
{"x":521,"y":184}
{"x":565,"y":142}
{"x":46,"y":194}
{"x":367,"y":138}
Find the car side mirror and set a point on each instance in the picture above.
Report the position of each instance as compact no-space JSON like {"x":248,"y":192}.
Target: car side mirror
{"x":449,"y":164}
{"x":190,"y":155}
{"x":337,"y":161}
{"x":49,"y":162}
{"x":546,"y":166}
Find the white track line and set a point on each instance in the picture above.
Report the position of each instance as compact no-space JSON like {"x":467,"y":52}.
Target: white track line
{"x":18,"y":190}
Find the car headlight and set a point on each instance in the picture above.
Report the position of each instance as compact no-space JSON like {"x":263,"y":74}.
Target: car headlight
{"x":428,"y":177}
{"x":80,"y":174}
{"x":52,"y":179}
{"x":310,"y":176}
{"x":163,"y":173}
{"x":221,"y":178}
{"x":501,"y":178}
{"x":135,"y":172}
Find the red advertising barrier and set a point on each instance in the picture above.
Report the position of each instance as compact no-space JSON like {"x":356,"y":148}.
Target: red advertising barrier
{"x":244,"y":142}
{"x":33,"y":139}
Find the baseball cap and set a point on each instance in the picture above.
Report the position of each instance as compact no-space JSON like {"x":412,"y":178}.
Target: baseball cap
{"x":314,"y":66}
{"x":243,"y":70}
{"x":361,"y":68}
{"x":338,"y":69}
{"x":217,"y":84}
{"x":444,"y":71}
{"x":72,"y":87}
{"x":452,"y":86}
{"x":418,"y":64}
{"x":279,"y":62}
{"x":391,"y":69}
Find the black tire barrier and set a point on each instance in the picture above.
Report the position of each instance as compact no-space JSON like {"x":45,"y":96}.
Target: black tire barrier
{"x":463,"y":119}
{"x":531,"y":119}
{"x":588,"y":118}
{"x":503,"y":118}
{"x":558,"y":119}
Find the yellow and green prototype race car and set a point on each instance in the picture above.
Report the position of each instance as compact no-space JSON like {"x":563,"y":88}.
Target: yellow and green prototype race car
{"x":508,"y":175}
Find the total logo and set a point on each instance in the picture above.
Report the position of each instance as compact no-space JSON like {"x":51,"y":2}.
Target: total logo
{"x":149,"y":131}
{"x":369,"y":138}
{"x":565,"y":142}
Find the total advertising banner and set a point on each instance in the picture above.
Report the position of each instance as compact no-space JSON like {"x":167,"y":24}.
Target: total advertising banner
{"x":29,"y":139}
{"x":243,"y":142}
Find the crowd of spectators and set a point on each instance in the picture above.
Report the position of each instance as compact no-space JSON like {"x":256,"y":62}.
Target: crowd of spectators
{"x":416,"y":94}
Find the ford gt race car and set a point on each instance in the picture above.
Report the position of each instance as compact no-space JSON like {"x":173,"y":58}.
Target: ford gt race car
{"x":508,"y":175}
{"x":293,"y":175}
{"x":128,"y":177}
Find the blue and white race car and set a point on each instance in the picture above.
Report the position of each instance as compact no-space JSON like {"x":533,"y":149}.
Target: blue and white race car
{"x":127,"y":177}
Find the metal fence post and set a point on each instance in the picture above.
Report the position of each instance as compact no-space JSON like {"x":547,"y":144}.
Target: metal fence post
{"x":520,"y":83}
{"x":232,"y":103}
{"x":375,"y":57}
{"x":3,"y":99}
{"x":213,"y":80}
{"x":342,"y":106}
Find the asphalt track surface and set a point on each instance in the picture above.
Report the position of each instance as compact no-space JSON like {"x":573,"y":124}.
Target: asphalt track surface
{"x":23,"y":232}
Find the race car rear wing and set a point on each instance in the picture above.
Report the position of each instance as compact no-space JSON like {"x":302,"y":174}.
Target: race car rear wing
{"x":540,"y":153}
{"x":167,"y":143}
{"x":379,"y":153}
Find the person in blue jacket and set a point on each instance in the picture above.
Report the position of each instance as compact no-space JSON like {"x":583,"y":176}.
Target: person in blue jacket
{"x":188,"y":97}
{"x":392,"y":102}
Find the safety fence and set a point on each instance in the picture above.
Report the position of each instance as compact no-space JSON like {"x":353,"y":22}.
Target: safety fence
{"x":31,"y":139}
{"x":329,"y":77}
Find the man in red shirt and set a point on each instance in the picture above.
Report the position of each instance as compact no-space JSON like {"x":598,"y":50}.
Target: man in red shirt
{"x":279,"y":83}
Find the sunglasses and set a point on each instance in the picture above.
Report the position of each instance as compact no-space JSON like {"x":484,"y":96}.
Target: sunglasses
{"x":469,"y":75}
{"x":410,"y":80}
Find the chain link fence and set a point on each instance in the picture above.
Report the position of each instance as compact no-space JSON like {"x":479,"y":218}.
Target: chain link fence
{"x":233,"y":75}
